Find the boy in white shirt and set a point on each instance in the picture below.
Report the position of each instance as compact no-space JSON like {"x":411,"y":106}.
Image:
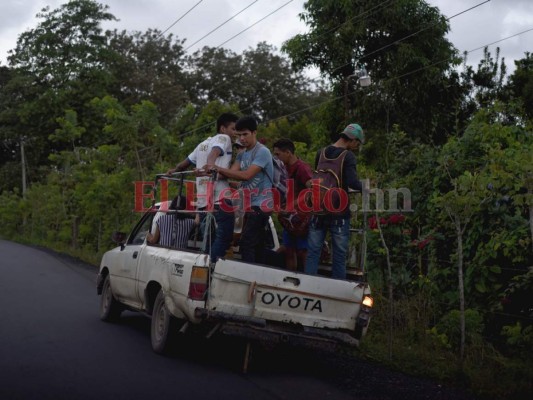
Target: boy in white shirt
{"x":215,"y":150}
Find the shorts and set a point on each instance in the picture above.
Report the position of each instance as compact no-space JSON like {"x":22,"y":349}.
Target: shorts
{"x":298,"y":243}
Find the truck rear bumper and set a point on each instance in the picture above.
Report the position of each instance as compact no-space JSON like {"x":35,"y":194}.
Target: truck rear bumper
{"x":260,"y":329}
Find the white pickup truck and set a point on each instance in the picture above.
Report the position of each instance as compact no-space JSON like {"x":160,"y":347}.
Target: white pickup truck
{"x":180,"y":289}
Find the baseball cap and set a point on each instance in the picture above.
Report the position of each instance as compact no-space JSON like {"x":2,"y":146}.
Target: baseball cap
{"x":354,"y":131}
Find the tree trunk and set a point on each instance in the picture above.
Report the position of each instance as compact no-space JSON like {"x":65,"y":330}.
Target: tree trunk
{"x":75,"y":231}
{"x":23,"y":162}
{"x":391,"y":301}
{"x":531,"y":223}
{"x":530,"y":201}
{"x":99,"y":235}
{"x":139,"y":163}
{"x":389,"y":286}
{"x":461,"y":288}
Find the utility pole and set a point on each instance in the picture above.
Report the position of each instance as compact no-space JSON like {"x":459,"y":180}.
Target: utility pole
{"x":23,"y":161}
{"x":363,"y":80}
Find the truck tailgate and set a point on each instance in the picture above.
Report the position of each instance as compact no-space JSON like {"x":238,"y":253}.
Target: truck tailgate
{"x":248,"y":290}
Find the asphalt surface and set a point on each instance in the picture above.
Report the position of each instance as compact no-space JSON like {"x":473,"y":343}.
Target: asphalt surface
{"x":54,"y":346}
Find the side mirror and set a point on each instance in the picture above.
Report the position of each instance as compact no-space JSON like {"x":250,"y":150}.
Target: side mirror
{"x":119,"y":238}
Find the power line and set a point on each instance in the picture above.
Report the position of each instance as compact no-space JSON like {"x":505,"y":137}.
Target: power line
{"x":353,"y":92}
{"x":331,"y":30}
{"x":423,"y":29}
{"x":222,"y":24}
{"x":180,"y":18}
{"x":396,"y":77}
{"x":233,"y":37}
{"x":411,"y":35}
{"x":501,"y":40}
{"x":197,"y":129}
{"x":380,"y":5}
{"x":254,"y":24}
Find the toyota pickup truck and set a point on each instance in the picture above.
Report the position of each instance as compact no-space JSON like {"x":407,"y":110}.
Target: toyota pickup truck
{"x":181,"y":290}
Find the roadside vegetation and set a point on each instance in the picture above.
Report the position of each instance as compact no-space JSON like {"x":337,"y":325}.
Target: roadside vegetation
{"x":86,"y":113}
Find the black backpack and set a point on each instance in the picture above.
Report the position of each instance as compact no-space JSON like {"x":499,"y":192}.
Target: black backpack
{"x":328,"y":176}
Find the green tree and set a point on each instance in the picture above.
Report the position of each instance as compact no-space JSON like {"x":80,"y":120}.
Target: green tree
{"x":487,"y":83}
{"x":521,"y":84}
{"x":482,"y":188}
{"x":149,"y":66}
{"x":59,"y":65}
{"x":259,"y":81}
{"x":68,"y":44}
{"x":402,"y":44}
{"x":137,"y":132}
{"x":460,"y":205}
{"x":20,"y":129}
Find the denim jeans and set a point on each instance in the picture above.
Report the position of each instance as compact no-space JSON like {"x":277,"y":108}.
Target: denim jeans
{"x":339,"y":228}
{"x":253,"y":236}
{"x":223,"y":234}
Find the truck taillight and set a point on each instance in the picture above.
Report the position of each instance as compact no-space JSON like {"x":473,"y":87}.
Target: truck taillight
{"x":368,"y":301}
{"x":364,"y":315}
{"x":198,"y":283}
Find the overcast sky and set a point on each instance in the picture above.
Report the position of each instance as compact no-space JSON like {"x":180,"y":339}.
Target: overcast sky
{"x":485,"y":24}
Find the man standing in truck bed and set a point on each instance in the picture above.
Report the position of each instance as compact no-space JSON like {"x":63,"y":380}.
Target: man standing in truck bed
{"x":253,"y":167}
{"x":216,"y":150}
{"x":300,"y":173}
{"x":339,"y":154}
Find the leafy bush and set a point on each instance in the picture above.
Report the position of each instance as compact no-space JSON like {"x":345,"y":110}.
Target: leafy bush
{"x":449,"y":326}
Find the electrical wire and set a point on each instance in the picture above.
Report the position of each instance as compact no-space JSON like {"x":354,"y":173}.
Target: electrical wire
{"x":254,"y":24}
{"x":222,"y":24}
{"x":340,"y":97}
{"x":397,"y":77}
{"x":244,"y":30}
{"x":501,"y":40}
{"x":180,"y":18}
{"x":375,"y":51}
{"x":380,"y":5}
{"x":410,"y":35}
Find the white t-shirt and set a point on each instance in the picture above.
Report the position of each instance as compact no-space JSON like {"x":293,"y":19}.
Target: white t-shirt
{"x":199,"y":158}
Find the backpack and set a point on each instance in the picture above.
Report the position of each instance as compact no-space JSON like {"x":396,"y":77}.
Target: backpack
{"x":279,"y":178}
{"x":327,"y":199}
{"x":296,"y":222}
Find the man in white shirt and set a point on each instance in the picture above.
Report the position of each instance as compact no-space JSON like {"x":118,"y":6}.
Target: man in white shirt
{"x":215,"y":150}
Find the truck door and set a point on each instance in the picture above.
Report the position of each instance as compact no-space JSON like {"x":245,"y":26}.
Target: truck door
{"x":126,"y":280}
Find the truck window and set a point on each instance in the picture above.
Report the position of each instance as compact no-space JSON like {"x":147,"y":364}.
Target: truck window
{"x":138,"y":236}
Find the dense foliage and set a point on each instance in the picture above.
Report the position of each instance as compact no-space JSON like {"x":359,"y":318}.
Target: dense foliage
{"x":85,"y":113}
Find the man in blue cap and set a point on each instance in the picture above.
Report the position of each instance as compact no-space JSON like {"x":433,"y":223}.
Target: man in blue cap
{"x":340,"y":159}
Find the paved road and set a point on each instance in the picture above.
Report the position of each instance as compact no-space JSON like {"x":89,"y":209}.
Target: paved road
{"x":53,"y":345}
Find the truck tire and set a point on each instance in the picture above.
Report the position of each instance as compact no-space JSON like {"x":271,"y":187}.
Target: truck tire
{"x":164,"y":326}
{"x":110,"y":308}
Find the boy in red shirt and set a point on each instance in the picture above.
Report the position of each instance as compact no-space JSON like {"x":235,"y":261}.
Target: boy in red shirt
{"x":299,"y":172}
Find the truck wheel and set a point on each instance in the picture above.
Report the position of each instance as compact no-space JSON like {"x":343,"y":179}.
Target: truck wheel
{"x":163,"y":327}
{"x":110,"y":308}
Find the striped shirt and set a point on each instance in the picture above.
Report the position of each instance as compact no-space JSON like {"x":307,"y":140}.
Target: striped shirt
{"x":174,"y":232}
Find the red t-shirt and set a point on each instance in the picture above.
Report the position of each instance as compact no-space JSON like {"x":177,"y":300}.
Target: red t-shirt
{"x":301,"y":172}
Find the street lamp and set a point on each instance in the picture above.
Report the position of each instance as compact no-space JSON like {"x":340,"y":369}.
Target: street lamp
{"x":362,"y":78}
